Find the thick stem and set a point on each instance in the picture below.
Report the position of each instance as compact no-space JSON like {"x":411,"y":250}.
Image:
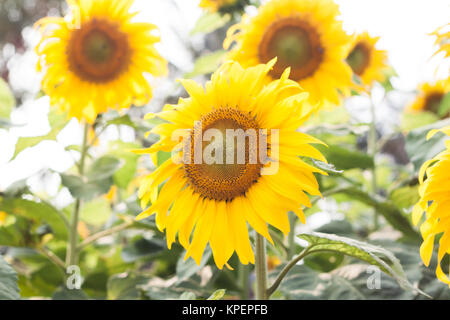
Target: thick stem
{"x":372,"y":146}
{"x":244,"y":280}
{"x":72,"y":252}
{"x":291,"y":237}
{"x":261,"y":268}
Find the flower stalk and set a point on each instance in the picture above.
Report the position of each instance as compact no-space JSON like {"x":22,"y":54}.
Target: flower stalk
{"x":261,"y":268}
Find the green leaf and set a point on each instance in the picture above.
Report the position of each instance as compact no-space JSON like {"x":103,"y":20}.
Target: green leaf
{"x":345,"y":159}
{"x":188,"y":296}
{"x":96,"y":212}
{"x":210,"y":22}
{"x":103,"y":168}
{"x":63,"y":293}
{"x":124,"y":120}
{"x":419,"y":149}
{"x":7,"y":100}
{"x":38,"y":212}
{"x":405,"y":197}
{"x":57,"y":122}
{"x":142,"y":248}
{"x":126,"y":173}
{"x":186,"y":269}
{"x":85,"y":190}
{"x":8,"y":282}
{"x":217,"y":295}
{"x":369,"y":253}
{"x":328,"y":168}
{"x":411,"y":121}
{"x":124,"y":286}
{"x":207,"y":63}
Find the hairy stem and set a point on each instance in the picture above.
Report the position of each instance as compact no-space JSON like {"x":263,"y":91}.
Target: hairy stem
{"x":72,"y":252}
{"x":261,"y":268}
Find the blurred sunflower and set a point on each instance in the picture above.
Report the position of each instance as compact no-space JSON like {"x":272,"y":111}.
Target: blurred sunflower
{"x":443,"y":39}
{"x":435,"y":202}
{"x":306,"y":36}
{"x":224,"y":6}
{"x":96,"y":57}
{"x":219,"y":199}
{"x":430,"y":98}
{"x":366,"y":61}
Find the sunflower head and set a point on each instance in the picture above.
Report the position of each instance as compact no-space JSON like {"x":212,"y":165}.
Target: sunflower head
{"x":435,"y":203}
{"x":305,"y":36}
{"x":430,"y":98}
{"x":235,"y":161}
{"x":224,"y":6}
{"x":367,"y":62}
{"x":96,"y":58}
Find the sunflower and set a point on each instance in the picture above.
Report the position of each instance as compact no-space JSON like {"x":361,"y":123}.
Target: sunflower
{"x":224,"y":6}
{"x":96,"y":58}
{"x":219,"y":198}
{"x":443,"y":39}
{"x":306,"y":36}
{"x":430,"y":98}
{"x":366,"y":61}
{"x":435,"y":202}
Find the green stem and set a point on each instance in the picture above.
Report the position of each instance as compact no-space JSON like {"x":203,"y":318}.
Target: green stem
{"x":244,"y":280}
{"x":372,"y":146}
{"x":261,"y":268}
{"x":285,"y":271}
{"x":72,"y":252}
{"x":104,"y":233}
{"x":291,"y":237}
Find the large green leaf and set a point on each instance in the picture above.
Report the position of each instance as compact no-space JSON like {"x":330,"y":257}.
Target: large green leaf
{"x":85,"y":190}
{"x":124,"y":286}
{"x":38,"y":212}
{"x":420,"y":149}
{"x":96,"y":212}
{"x":7,"y":100}
{"x":186,"y":269}
{"x":123,"y":176}
{"x":345,"y":159}
{"x":375,"y":255}
{"x":142,"y":248}
{"x":8,"y":282}
{"x":57,"y":121}
{"x":210,"y":22}
{"x":207,"y":63}
{"x":103,"y":168}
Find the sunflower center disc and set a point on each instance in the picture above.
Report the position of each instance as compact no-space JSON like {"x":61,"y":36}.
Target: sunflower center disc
{"x":296,"y":44}
{"x":228,"y":167}
{"x":433,"y":102}
{"x":359,"y":58}
{"x":98,"y":52}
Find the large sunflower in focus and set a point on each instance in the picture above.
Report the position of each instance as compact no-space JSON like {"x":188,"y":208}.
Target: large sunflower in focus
{"x":430,"y":98}
{"x":306,"y":36}
{"x":96,"y":58}
{"x":220,"y":198}
{"x":366,"y":61}
{"x":435,"y":202}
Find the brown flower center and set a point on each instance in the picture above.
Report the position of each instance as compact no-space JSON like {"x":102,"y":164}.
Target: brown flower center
{"x":433,"y":103}
{"x":359,"y":58}
{"x":234,"y":146}
{"x":296,"y":44}
{"x":98,"y":51}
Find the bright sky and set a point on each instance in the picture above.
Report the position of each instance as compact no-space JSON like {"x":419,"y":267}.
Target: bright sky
{"x":403,"y":26}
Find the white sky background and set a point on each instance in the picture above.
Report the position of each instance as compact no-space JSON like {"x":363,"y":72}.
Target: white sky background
{"x":402,"y":24}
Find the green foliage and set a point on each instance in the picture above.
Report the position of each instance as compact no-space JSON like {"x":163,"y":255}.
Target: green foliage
{"x":57,"y":121}
{"x":210,"y":22}
{"x":345,"y":159}
{"x":8,"y":284}
{"x":207,"y":63}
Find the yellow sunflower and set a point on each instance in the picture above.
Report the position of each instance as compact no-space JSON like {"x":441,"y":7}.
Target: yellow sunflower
{"x":96,"y":58}
{"x":443,"y":39}
{"x":435,"y":202}
{"x":430,"y":97}
{"x":366,"y":61}
{"x":306,"y":36}
{"x":220,"y":197}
